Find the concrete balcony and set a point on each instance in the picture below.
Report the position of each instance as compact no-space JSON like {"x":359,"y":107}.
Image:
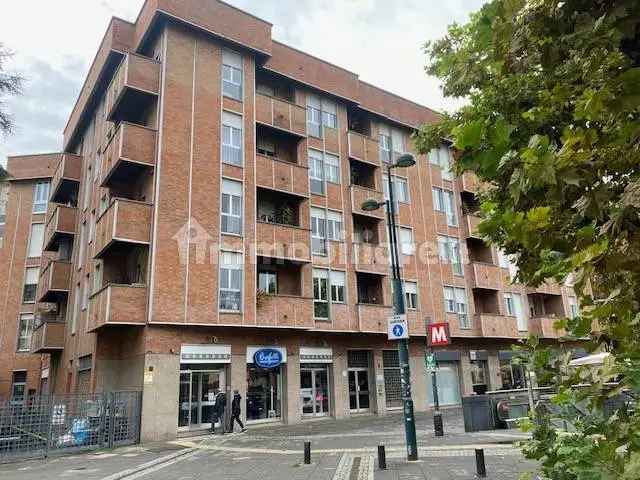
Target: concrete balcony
{"x":469,"y":182}
{"x":281,"y":115}
{"x":547,"y":288}
{"x":65,"y":182}
{"x":53,"y":285}
{"x":135,"y":83}
{"x":543,"y":327}
{"x":281,"y":175}
{"x":48,"y":337}
{"x":118,"y":305}
{"x":359,"y":194}
{"x":364,"y":148}
{"x":497,"y":326}
{"x":470,"y":225}
{"x":283,"y":241}
{"x":373,"y":318}
{"x":124,"y":224}
{"x":128,"y":154}
{"x":372,"y":258}
{"x":61,"y":225}
{"x":485,"y":275}
{"x":285,"y":311}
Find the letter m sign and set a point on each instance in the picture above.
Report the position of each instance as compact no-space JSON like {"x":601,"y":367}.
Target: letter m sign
{"x":438,"y":334}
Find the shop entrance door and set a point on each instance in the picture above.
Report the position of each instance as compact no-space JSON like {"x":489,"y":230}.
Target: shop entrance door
{"x":314,"y":391}
{"x":358,"y":390}
{"x":197,"y":397}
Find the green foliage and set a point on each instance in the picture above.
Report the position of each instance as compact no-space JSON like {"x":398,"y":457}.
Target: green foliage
{"x":552,"y":129}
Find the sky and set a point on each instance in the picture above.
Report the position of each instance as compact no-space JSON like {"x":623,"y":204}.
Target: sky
{"x":380,"y":40}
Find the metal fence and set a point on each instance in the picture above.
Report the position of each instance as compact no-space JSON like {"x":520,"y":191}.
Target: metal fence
{"x":47,"y":425}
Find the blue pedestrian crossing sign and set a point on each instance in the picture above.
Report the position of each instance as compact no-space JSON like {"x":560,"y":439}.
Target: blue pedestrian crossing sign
{"x":397,"y":327}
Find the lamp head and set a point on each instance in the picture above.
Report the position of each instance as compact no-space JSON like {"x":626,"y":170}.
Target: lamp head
{"x":370,"y":205}
{"x":405,"y":160}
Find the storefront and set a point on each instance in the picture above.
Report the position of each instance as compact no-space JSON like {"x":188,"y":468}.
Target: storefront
{"x":203,"y":370}
{"x":265,"y":372}
{"x":448,"y":379}
{"x":315,"y":381}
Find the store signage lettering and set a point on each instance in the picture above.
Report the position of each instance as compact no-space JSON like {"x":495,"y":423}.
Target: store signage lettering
{"x":267,"y":358}
{"x":438,"y":334}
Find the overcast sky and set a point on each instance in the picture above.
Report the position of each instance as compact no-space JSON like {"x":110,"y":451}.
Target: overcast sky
{"x":381,"y":40}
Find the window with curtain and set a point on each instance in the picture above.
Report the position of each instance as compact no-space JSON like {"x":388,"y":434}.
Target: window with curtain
{"x":405,"y":238}
{"x":335,"y":229}
{"x":320,"y":293}
{"x":411,"y":295}
{"x":232,"y":74}
{"x":36,"y":239}
{"x":30,"y":284}
{"x":231,"y":207}
{"x":314,"y":116}
{"x":449,"y":252}
{"x":337,"y":281}
{"x":232,"y":138}
{"x":444,"y":201}
{"x":318,"y":231}
{"x":230,"y":290}
{"x":455,"y":301}
{"x":332,"y":168}
{"x":25,"y":329}
{"x":397,"y":143}
{"x":441,"y":157}
{"x":40,"y":197}
{"x":316,"y":172}
{"x":268,"y":282}
{"x":329,"y":113}
{"x":400,"y":188}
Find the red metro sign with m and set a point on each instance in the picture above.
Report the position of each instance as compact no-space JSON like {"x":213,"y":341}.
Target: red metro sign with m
{"x":438,"y":334}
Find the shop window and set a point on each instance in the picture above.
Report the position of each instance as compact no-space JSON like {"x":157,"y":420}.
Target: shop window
{"x":479,"y":376}
{"x":264,"y":393}
{"x":513,"y":376}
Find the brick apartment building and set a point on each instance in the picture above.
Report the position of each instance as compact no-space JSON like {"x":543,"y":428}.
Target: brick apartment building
{"x":206,"y":213}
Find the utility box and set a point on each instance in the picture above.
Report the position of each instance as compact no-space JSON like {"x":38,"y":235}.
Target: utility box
{"x":479,"y":414}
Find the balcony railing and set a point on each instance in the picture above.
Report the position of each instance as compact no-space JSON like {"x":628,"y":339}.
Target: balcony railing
{"x":360,"y":194}
{"x":66,"y":179}
{"x":373,"y":318}
{"x":547,"y":288}
{"x":280,"y":175}
{"x":369,"y":257}
{"x":136,"y":80}
{"x":364,"y":148}
{"x":470,"y":225}
{"x":497,"y":326}
{"x":125,"y":222}
{"x":53,"y":285}
{"x":285,"y":311}
{"x":129,"y":152}
{"x":118,"y":305}
{"x":469,"y":182}
{"x":283,"y":241}
{"x":280,"y":114}
{"x":61,"y":224}
{"x":543,"y":327}
{"x":485,"y":275}
{"x":48,"y":337}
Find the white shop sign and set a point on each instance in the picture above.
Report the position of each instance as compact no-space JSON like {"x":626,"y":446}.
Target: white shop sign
{"x":205,"y":354}
{"x":316,"y":355}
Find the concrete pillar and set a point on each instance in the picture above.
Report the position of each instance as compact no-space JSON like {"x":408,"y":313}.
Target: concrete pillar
{"x":495,"y":379}
{"x":465,"y":370}
{"x":238,"y":380}
{"x":379,"y":405}
{"x":160,"y":397}
{"x":340,"y":390}
{"x":419,"y":383}
{"x":292,"y":389}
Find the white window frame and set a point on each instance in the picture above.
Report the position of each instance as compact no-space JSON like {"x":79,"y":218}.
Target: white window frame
{"x":318,"y":231}
{"x":574,"y":309}
{"x":36,"y":242}
{"x":231,"y":190}
{"x":232,"y":75}
{"x":441,"y":157}
{"x":41,"y":197}
{"x":449,"y":252}
{"x":316,"y":171}
{"x":232,"y":152}
{"x":29,"y":272}
{"x":406,"y":248}
{"x":314,"y":116}
{"x":332,"y":168}
{"x":322,"y":276}
{"x":455,"y":301}
{"x":86,"y":287}
{"x":384,"y":142}
{"x":396,"y":182}
{"x":337,"y":286}
{"x":444,"y":201}
{"x":24,"y":337}
{"x":270,"y":275}
{"x":411,"y":295}
{"x":335,"y":226}
{"x":510,"y":308}
{"x":230,"y":262}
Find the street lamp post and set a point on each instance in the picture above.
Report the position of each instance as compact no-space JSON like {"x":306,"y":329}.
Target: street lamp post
{"x":403,"y":161}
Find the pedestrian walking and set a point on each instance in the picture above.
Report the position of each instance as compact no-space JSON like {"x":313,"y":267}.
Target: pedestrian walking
{"x":236,"y":411}
{"x":217,"y":413}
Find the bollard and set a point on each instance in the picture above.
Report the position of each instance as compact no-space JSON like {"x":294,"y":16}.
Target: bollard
{"x":307,"y":453}
{"x":438,"y":426}
{"x":382,"y":458}
{"x":480,"y":467}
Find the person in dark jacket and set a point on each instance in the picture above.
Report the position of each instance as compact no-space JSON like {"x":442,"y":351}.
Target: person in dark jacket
{"x":236,"y":411}
{"x":218,"y":411}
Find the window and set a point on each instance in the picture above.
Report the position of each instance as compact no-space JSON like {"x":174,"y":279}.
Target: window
{"x":316,"y":172}
{"x":85,"y":292}
{"x":232,"y":74}
{"x":400,"y":188}
{"x":231,"y":138}
{"x":411,"y":295}
{"x":337,"y":286}
{"x":507,"y":261}
{"x":397,"y":142}
{"x":30,"y":284}
{"x":320,"y":293}
{"x":508,"y":302}
{"x":268,"y":282}
{"x":405,"y":237}
{"x":513,"y":308}
{"x":82,"y":246}
{"x":4,"y":199}
{"x":36,"y":239}
{"x":385,"y":147}
{"x":25,"y":329}
{"x":231,"y":208}
{"x":266,"y":147}
{"x":87,"y":186}
{"x":441,"y":157}
{"x":455,"y":301}
{"x":443,"y":201}
{"x":97,"y":276}
{"x":332,"y":168}
{"x":449,"y":252}
{"x":231,"y":281}
{"x":76,"y":309}
{"x":329,"y":114}
{"x":314,"y":116}
{"x":318,"y":232}
{"x":574,"y":311}
{"x":40,"y":197}
{"x":335,"y":229}
{"x":18,"y":386}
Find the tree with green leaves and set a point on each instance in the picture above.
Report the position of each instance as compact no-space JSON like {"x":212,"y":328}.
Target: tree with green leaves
{"x":552,"y":129}
{"x":10,"y":84}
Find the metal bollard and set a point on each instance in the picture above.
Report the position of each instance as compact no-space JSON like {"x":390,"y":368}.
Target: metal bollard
{"x":480,"y":467}
{"x":438,"y":426}
{"x":307,"y":453}
{"x":382,"y":458}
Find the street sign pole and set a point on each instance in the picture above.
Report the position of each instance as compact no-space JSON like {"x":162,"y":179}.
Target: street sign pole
{"x":437,"y":334}
{"x":438,"y":426}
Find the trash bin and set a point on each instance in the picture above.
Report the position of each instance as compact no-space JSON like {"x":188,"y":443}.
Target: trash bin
{"x":478,"y":412}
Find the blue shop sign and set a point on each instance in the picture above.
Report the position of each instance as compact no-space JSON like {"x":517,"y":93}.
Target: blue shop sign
{"x":267,"y":358}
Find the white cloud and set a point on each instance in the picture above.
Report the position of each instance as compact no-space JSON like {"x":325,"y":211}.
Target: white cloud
{"x":381,"y":40}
